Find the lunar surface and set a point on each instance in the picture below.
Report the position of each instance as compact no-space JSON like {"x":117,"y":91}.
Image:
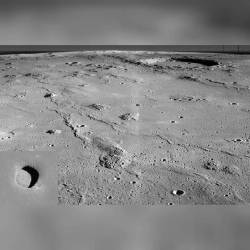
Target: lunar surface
{"x":125,"y":128}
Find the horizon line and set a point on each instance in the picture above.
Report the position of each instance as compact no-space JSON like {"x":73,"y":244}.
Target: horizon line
{"x":29,"y":49}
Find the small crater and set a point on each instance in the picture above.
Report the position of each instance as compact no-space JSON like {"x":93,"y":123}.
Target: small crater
{"x":178,"y":192}
{"x":234,"y":103}
{"x":52,"y":131}
{"x":47,"y":95}
{"x":27,"y":177}
{"x":238,"y":140}
{"x":21,"y":95}
{"x":109,"y":197}
{"x":6,"y":135}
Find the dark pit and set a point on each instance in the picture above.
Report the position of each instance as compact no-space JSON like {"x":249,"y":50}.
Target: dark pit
{"x":47,"y":95}
{"x":178,"y":192}
{"x":204,"y":62}
{"x":27,"y":177}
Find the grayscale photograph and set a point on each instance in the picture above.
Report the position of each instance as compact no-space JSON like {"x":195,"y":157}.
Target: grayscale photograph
{"x":127,"y":127}
{"x":124,"y":125}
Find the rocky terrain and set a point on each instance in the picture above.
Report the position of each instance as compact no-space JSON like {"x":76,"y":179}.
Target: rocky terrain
{"x":125,"y":128}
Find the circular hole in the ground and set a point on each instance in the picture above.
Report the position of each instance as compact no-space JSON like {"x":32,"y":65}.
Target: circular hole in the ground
{"x":234,"y":103}
{"x":27,"y":177}
{"x":47,"y":95}
{"x":50,"y":131}
{"x":238,"y":140}
{"x":178,"y":192}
